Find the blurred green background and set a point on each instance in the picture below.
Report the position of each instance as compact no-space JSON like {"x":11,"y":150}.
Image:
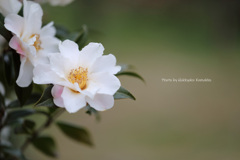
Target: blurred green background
{"x":162,"y":39}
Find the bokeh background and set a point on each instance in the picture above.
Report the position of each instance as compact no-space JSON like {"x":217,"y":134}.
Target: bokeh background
{"x":162,"y":39}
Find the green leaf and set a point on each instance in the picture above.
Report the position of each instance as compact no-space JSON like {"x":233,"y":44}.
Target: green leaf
{"x":26,"y":127}
{"x":62,"y":32}
{"x":46,"y":98}
{"x":91,"y":111}
{"x":122,"y":93}
{"x":32,"y":99}
{"x":23,"y":93}
{"x":46,"y":145}
{"x":83,"y":36}
{"x":133,"y":74}
{"x":16,"y":114}
{"x":9,"y":68}
{"x":16,"y":62}
{"x":48,"y":103}
{"x":75,"y":132}
{"x":3,"y":31}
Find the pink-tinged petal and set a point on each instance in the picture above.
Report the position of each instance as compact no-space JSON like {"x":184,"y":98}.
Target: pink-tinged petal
{"x":14,"y":23}
{"x":108,"y":83}
{"x":105,"y":63}
{"x":73,"y":101}
{"x":56,"y":93}
{"x":15,"y":43}
{"x":90,"y":53}
{"x":32,"y":13}
{"x":26,"y":73}
{"x":101,"y":102}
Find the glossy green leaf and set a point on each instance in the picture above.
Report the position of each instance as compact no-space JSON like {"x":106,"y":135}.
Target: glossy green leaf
{"x":48,"y":103}
{"x":16,"y":114}
{"x":46,"y":145}
{"x":133,"y":74}
{"x":75,"y":132}
{"x":23,"y":93}
{"x":122,"y":93}
{"x":3,"y":31}
{"x":9,"y":68}
{"x":46,"y":98}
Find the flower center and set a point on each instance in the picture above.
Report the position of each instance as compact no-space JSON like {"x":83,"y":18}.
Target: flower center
{"x":79,"y":76}
{"x":37,"y":43}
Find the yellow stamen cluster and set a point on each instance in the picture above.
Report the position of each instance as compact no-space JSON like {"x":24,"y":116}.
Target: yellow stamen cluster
{"x":37,"y":43}
{"x":79,"y":76}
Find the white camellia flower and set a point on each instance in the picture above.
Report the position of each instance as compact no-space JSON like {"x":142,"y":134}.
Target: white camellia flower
{"x":32,"y":42}
{"x":80,"y":77}
{"x":10,"y":6}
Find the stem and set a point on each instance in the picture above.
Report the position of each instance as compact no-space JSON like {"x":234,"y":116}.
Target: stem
{"x":35,"y":134}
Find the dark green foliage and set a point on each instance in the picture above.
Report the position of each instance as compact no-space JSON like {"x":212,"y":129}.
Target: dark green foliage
{"x":122,"y":93}
{"x":92,"y":111}
{"x":21,"y":113}
{"x":9,"y":68}
{"x":128,"y":73}
{"x":46,"y":145}
{"x":46,"y":98}
{"x":75,"y":132}
{"x":23,"y":93}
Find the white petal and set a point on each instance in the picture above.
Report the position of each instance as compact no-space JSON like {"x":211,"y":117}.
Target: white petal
{"x":73,"y":101}
{"x":101,"y":102}
{"x":33,"y":15}
{"x":25,"y":74}
{"x":108,"y":84}
{"x":42,"y":74}
{"x":105,"y":63}
{"x":10,"y":6}
{"x":69,"y":50}
{"x":14,"y":23}
{"x":56,"y":93}
{"x":90,"y":53}
{"x":59,"y":64}
{"x":49,"y":44}
{"x":48,"y":30}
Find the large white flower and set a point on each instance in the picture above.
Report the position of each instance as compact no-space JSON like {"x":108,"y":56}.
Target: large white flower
{"x":10,"y":6}
{"x":32,"y":42}
{"x":80,"y":77}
